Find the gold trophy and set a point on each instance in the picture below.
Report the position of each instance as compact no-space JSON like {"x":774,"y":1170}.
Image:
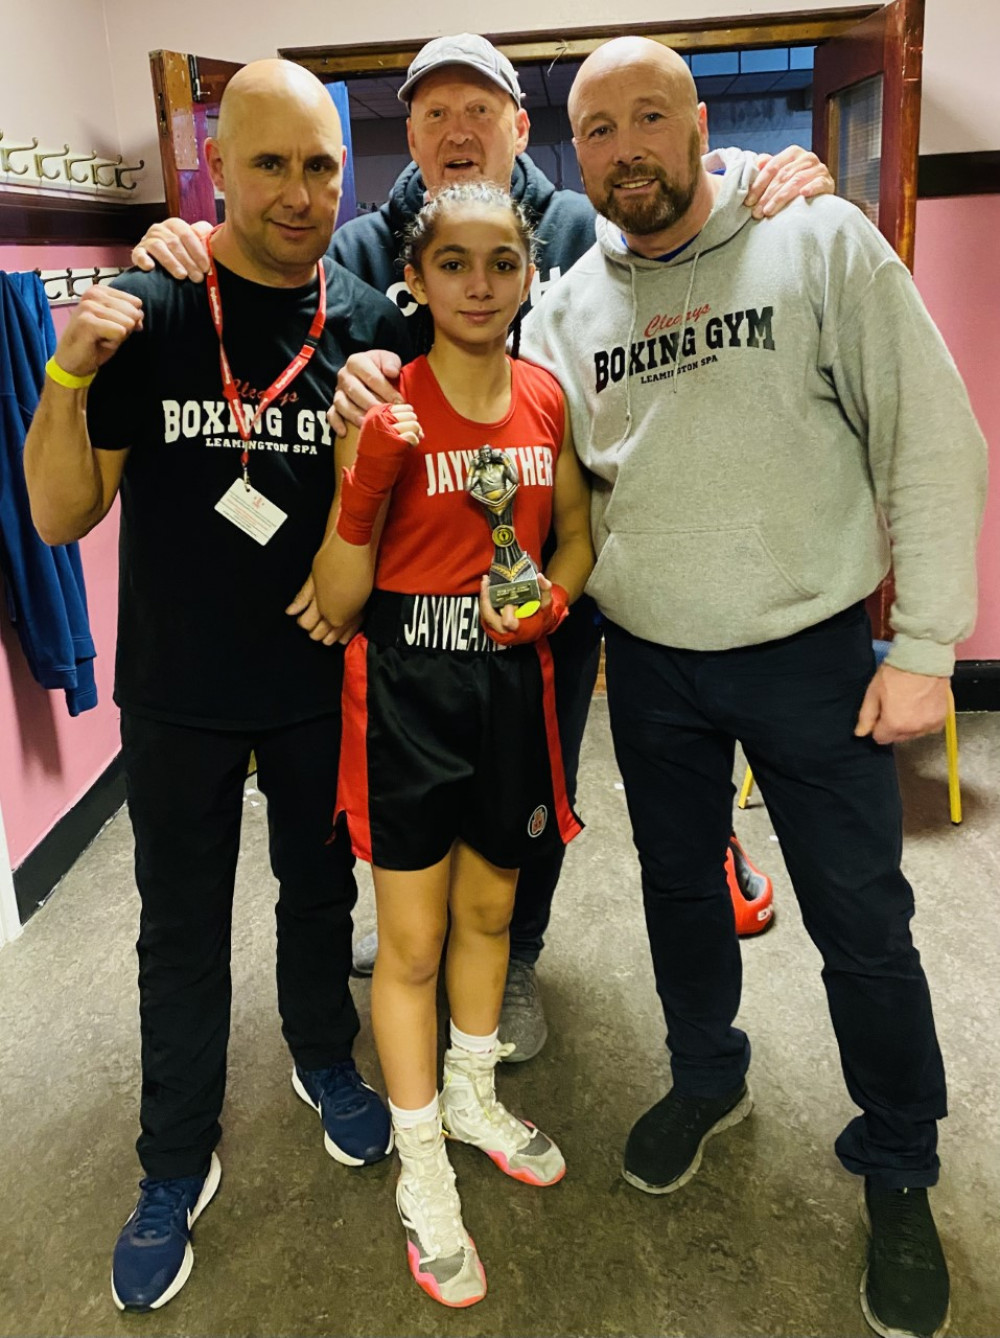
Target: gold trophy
{"x":492,"y":482}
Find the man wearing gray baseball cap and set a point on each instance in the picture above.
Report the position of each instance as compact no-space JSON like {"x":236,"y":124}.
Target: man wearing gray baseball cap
{"x":464,"y":49}
{"x":466,"y":123}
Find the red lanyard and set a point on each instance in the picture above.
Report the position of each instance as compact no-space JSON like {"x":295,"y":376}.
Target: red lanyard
{"x":245,"y":429}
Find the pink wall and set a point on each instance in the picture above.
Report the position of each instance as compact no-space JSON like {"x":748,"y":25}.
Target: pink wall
{"x":48,"y":759}
{"x":958,"y":273}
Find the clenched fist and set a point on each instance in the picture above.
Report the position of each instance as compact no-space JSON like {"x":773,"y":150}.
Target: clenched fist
{"x":97,"y":329}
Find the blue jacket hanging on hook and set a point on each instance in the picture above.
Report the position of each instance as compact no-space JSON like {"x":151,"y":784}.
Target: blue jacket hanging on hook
{"x":46,"y":597}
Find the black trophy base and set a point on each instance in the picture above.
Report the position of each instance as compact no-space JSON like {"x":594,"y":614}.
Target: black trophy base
{"x":518,"y":593}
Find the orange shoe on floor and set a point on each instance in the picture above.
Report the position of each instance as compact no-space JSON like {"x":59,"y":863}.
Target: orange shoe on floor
{"x":752,"y":892}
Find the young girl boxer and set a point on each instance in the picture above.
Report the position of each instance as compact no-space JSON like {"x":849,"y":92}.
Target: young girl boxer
{"x":451,"y":773}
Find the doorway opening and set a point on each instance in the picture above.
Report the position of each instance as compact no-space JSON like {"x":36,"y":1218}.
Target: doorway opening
{"x":757,"y":98}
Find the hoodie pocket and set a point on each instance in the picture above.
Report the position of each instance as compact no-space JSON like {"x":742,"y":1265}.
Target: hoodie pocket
{"x":706,"y":588}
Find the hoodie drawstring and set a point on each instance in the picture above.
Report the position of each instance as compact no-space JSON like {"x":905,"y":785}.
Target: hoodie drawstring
{"x":687,"y":312}
{"x":631,"y":337}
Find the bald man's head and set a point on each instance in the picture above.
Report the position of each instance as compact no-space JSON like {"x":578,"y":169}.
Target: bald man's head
{"x":278,"y":157}
{"x":639,"y":133}
{"x":268,"y":85}
{"x":640,"y":60}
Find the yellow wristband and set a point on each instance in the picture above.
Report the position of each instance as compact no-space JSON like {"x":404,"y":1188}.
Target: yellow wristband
{"x":67,"y":379}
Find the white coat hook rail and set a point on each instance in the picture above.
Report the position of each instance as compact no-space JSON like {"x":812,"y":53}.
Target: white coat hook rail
{"x":63,"y":286}
{"x":64,"y":171}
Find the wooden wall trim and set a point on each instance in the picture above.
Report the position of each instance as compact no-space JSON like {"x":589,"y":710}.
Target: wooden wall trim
{"x":711,"y":34}
{"x":59,"y":850}
{"x":948,"y":174}
{"x":976,"y":685}
{"x":37,"y":218}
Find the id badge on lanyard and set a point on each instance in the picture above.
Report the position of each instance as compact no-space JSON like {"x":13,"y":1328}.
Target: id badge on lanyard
{"x":242,"y":504}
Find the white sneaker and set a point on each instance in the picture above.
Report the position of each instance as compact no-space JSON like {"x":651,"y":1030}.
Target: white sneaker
{"x":471,"y":1113}
{"x":441,"y":1253}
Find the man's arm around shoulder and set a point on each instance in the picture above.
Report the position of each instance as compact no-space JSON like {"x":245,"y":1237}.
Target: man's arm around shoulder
{"x":71,"y":486}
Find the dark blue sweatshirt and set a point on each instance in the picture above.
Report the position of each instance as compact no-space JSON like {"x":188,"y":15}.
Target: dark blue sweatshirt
{"x":45,"y":591}
{"x":369,"y":245}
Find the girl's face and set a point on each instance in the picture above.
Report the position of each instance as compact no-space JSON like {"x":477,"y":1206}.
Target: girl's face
{"x":474,"y":274}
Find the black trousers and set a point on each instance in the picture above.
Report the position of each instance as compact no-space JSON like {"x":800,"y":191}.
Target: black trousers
{"x":185,"y":799}
{"x":576,"y":653}
{"x":834,"y":802}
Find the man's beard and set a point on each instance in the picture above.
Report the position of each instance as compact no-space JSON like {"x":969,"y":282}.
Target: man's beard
{"x":645,"y":217}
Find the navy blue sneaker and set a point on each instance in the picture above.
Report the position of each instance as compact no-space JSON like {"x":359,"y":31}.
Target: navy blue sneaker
{"x":153,"y":1255}
{"x":356,"y":1126}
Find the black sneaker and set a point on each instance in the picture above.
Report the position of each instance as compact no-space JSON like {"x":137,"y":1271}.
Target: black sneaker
{"x":664,"y":1148}
{"x":905,"y":1290}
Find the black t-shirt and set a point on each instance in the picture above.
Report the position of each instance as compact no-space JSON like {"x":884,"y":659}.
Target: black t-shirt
{"x":203,"y":638}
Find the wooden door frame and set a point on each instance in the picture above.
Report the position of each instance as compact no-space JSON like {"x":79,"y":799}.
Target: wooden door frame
{"x":186,"y":89}
{"x":886,"y":42}
{"x":798,"y":28}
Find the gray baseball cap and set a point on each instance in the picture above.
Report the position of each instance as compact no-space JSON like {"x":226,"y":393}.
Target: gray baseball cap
{"x":464,"y":49}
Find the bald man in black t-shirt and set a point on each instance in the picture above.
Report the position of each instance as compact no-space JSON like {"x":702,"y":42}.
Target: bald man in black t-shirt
{"x":208,"y":418}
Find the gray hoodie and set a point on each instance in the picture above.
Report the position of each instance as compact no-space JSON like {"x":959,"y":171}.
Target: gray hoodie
{"x":760,"y":413}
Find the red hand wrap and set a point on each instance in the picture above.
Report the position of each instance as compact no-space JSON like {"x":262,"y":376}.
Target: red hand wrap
{"x":540,"y":624}
{"x":381,"y":452}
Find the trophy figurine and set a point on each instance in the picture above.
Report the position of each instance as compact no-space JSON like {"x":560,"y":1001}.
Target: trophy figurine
{"x":492,"y":482}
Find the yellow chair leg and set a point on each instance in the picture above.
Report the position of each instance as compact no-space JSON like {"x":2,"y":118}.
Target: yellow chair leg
{"x":951,"y":748}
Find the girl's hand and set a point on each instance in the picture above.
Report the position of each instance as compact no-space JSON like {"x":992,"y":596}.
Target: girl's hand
{"x":387,"y":436}
{"x":507,"y":629}
{"x":506,"y":620}
{"x":407,"y":424}
{"x":488,"y":615}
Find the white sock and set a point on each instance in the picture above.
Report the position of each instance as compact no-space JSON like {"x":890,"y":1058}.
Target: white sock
{"x":409,"y":1119}
{"x":478,"y":1045}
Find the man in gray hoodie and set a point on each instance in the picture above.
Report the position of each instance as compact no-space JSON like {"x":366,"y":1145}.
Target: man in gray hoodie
{"x":732,"y":568}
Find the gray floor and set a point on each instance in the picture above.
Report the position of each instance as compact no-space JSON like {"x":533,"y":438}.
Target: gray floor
{"x":766,"y":1239}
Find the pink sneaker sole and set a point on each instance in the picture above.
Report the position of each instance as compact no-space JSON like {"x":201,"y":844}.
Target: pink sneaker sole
{"x":428,"y":1283}
{"x":523,"y":1175}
